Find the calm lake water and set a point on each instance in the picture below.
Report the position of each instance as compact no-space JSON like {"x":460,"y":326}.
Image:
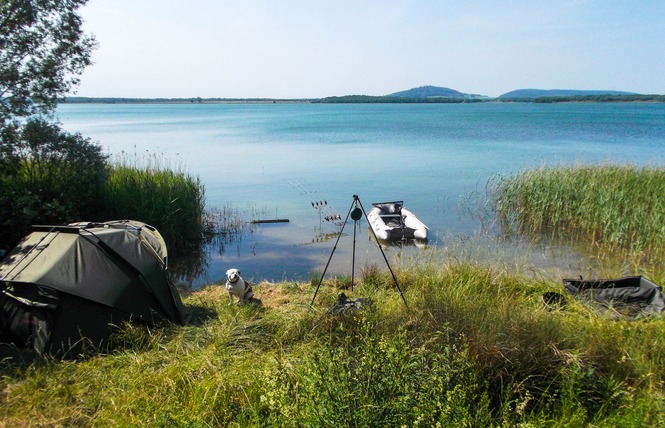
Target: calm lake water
{"x":275,"y":160}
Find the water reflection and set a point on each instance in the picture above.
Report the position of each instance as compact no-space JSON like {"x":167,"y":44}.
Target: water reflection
{"x":401,"y":242}
{"x":187,"y":267}
{"x":246,"y":245}
{"x":540,"y":257}
{"x":321,"y":237}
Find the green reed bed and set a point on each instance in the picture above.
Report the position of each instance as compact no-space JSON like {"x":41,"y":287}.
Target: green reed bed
{"x":159,"y":194}
{"x":476,"y":348}
{"x":611,"y":208}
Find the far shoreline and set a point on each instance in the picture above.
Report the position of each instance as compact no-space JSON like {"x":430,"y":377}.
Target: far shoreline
{"x":366,"y":99}
{"x":104,"y":100}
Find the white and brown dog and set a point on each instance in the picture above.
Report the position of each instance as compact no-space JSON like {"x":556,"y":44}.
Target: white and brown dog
{"x":238,"y":287}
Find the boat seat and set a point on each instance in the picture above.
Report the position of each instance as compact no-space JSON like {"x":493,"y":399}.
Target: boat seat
{"x":392,"y":220}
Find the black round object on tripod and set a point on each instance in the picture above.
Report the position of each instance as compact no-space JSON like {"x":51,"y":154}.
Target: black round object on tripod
{"x":356,"y":214}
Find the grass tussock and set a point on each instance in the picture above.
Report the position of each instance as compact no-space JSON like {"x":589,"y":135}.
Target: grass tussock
{"x":611,"y":208}
{"x":476,"y":348}
{"x":162,"y":195}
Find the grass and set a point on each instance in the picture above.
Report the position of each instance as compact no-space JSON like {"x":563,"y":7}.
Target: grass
{"x":477,"y":348}
{"x":610,"y":208}
{"x":162,"y":195}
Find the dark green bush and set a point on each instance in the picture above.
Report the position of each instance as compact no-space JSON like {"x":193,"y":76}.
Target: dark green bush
{"x":47,"y":176}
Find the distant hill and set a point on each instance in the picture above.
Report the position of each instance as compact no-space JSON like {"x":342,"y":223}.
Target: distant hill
{"x":427,"y":92}
{"x":538,"y":93}
{"x":432,"y":92}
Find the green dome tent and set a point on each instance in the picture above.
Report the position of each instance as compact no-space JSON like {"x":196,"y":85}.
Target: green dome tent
{"x":64,"y":286}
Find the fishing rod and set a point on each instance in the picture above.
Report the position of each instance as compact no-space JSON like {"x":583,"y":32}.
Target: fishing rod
{"x":318,"y":202}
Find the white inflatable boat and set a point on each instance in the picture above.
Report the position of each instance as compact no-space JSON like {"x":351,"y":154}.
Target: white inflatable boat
{"x":391,"y":221}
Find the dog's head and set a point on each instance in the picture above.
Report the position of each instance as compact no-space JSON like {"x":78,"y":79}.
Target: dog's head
{"x":232,"y":275}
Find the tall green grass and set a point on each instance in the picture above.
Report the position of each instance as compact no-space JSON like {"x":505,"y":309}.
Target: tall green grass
{"x":476,"y":348}
{"x":610,"y":208}
{"x":162,"y":195}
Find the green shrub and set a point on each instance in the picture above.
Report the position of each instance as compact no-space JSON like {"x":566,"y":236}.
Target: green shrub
{"x":47,"y":176}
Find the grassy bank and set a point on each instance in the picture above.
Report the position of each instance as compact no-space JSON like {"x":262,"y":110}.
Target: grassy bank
{"x":477,"y":348}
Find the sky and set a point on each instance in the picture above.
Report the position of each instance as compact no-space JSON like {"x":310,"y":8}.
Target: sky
{"x":315,"y":48}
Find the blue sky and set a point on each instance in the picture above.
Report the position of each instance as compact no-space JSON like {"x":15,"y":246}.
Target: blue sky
{"x":311,"y":48}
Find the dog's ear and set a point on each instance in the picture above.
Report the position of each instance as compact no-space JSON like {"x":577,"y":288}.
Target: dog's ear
{"x":238,"y":270}
{"x":228,"y":272}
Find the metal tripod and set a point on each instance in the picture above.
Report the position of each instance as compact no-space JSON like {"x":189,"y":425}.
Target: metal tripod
{"x":356,"y":212}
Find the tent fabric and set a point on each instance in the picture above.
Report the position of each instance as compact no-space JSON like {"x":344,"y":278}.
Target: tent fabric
{"x":632,"y":296}
{"x":86,"y":276}
{"x":25,"y":315}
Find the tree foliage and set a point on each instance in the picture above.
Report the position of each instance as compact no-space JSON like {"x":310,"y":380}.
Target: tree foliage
{"x":606,"y":98}
{"x":43,"y":49}
{"x":48,"y":176}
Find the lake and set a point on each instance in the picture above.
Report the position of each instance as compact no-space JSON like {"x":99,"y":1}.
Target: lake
{"x":276,"y":160}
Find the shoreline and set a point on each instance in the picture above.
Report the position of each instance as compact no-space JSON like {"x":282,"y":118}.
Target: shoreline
{"x":85,"y":100}
{"x":364,"y":99}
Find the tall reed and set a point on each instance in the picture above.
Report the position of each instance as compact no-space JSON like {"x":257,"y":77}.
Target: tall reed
{"x":611,"y":208}
{"x":159,"y":194}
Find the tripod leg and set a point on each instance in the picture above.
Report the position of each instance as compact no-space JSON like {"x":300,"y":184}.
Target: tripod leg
{"x":384,"y":255}
{"x":353,"y":259}
{"x":331,"y":254}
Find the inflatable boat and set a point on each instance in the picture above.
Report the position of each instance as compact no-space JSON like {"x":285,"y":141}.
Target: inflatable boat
{"x":391,"y":221}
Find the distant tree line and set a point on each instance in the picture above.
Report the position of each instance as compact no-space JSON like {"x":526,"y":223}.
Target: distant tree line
{"x":602,"y":98}
{"x":196,"y":100}
{"x":369,"y":99}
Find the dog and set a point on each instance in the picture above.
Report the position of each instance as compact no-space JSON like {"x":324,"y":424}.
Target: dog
{"x":238,"y":287}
